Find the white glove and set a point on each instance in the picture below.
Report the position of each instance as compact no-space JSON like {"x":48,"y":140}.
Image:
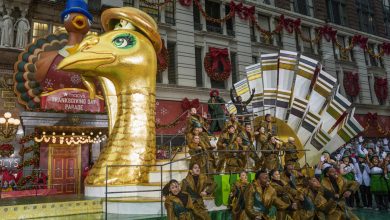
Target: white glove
{"x":384,"y":154}
{"x":385,"y":141}
{"x":361,"y":139}
{"x":365,"y":151}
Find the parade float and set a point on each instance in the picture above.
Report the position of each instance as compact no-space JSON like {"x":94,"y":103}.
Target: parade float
{"x":116,"y":73}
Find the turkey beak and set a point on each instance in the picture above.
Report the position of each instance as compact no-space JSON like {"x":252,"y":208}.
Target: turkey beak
{"x":86,"y":57}
{"x":79,"y":22}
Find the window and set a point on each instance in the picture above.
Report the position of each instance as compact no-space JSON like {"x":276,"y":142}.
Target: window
{"x":303,"y":7}
{"x":373,"y":60}
{"x":264,"y":23}
{"x":229,"y":23}
{"x":153,"y":11}
{"x":128,"y":3}
{"x":366,"y":16}
{"x":254,"y":59}
{"x":336,"y":11}
{"x":159,"y":77}
{"x":297,"y":42}
{"x":253,"y":31}
{"x":39,"y":30}
{"x":170,"y":13}
{"x":268,"y":2}
{"x":386,"y":16}
{"x":198,"y":66}
{"x":370,"y":78}
{"x":380,"y":59}
{"x":213,"y":10}
{"x":57,"y":28}
{"x":197,"y":24}
{"x":342,"y":55}
{"x":235,"y":77}
{"x":278,"y":37}
{"x":307,"y":46}
{"x":217,"y":84}
{"x":172,"y":76}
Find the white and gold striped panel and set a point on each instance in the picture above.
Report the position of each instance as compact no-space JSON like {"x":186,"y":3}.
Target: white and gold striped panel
{"x":349,"y":129}
{"x":322,"y":90}
{"x":287,"y":66}
{"x":305,"y":73}
{"x":255,"y":80}
{"x":309,"y":124}
{"x":282,"y":103}
{"x":242,"y":89}
{"x":269,"y":66}
{"x":297,"y":111}
{"x":231,"y":108}
{"x":316,"y":146}
{"x":334,"y":111}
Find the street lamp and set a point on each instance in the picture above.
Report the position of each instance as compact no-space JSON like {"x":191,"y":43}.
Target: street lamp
{"x":8,"y":126}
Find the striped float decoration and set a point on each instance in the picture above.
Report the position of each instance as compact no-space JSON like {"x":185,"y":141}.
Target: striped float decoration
{"x":255,"y":80}
{"x":242,"y":89}
{"x":305,"y":74}
{"x":322,"y":90}
{"x":297,"y":111}
{"x":269,"y":66}
{"x":308,"y":126}
{"x":287,"y":65}
{"x":321,"y":139}
{"x":231,"y":107}
{"x":337,"y":107}
{"x":349,"y":129}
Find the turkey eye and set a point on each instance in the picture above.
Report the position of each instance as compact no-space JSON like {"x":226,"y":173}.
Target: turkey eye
{"x":124,"y":41}
{"x":66,"y":17}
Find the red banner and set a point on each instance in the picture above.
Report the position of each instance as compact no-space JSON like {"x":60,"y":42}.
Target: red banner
{"x":65,"y":92}
{"x":71,"y":100}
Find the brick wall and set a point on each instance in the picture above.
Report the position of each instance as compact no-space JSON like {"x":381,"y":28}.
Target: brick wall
{"x":378,"y":17}
{"x":320,"y":10}
{"x":352,"y":16}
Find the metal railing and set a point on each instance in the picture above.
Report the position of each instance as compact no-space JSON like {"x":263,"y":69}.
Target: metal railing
{"x":248,"y":116}
{"x":202,"y":153}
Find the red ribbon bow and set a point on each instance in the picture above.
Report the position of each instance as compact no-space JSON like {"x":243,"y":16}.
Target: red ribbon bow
{"x":244,"y":12}
{"x":351,"y":83}
{"x":386,"y":48}
{"x":249,"y":12}
{"x":372,"y":117}
{"x":362,"y":41}
{"x":185,"y":2}
{"x":289,"y":24}
{"x":187,"y":104}
{"x":218,"y":55}
{"x":328,"y":33}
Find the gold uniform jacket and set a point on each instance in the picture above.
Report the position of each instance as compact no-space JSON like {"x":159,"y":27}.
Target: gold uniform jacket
{"x":176,"y":210}
{"x":259,"y":201}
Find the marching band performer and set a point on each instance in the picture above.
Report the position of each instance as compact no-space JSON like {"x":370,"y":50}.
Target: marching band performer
{"x":198,"y":186}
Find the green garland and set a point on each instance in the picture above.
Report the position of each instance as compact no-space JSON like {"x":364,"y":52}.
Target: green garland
{"x":34,"y":161}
